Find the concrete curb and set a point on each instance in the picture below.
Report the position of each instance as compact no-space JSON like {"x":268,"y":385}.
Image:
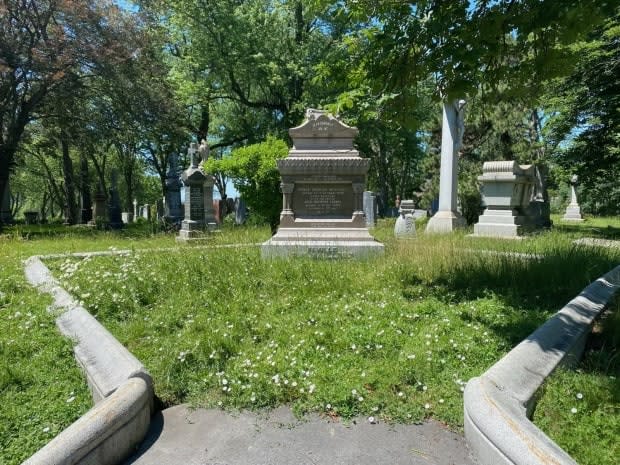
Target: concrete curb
{"x":498,"y":404}
{"x":120,"y":385}
{"x":107,"y":433}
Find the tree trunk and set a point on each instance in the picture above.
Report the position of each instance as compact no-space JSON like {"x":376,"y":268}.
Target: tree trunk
{"x":6,"y":157}
{"x":69,"y":178}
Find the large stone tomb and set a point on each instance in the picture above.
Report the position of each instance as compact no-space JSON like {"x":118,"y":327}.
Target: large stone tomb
{"x":323,"y":180}
{"x":507,"y":191}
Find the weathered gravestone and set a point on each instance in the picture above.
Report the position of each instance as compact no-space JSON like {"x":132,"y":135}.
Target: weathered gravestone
{"x":241,"y":211}
{"x":370,"y":208}
{"x":86,"y":210}
{"x":160,"y":206}
{"x":5,"y":209}
{"x":573,"y":210}
{"x":539,"y":209}
{"x":209,"y":182}
{"x":100,"y":210}
{"x":173,"y":208}
{"x":31,"y":217}
{"x":323,"y":180}
{"x":127,"y":217}
{"x":193,"y":225}
{"x":145,"y":211}
{"x":405,"y":223}
{"x":114,"y":205}
{"x":507,"y":192}
{"x":447,"y":217}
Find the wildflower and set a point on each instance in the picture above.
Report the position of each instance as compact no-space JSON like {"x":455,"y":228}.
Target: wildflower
{"x":573,"y":410}
{"x":46,"y":429}
{"x":371,"y":420}
{"x":427,"y":406}
{"x":579,"y":395}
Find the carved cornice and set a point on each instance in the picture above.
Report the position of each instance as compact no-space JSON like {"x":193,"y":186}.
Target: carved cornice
{"x":352,"y":166}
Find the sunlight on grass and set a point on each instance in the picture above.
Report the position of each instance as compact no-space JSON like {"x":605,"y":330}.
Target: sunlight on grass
{"x":395,"y":337}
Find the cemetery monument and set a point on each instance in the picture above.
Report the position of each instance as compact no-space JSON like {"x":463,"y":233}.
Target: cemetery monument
{"x":209,"y":219}
{"x":573,"y":210}
{"x":114,"y":206}
{"x":447,"y":217}
{"x":507,"y":192}
{"x":100,"y":210}
{"x":370,"y":208}
{"x":86,"y":211}
{"x":322,"y":181}
{"x":405,"y":223}
{"x":173,"y":208}
{"x":193,"y":226}
{"x":6,"y":217}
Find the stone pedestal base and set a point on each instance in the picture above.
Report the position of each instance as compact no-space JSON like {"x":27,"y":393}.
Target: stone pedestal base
{"x":573,"y":213}
{"x":191,"y":231}
{"x":500,"y":223}
{"x":445,"y":222}
{"x":322,"y":243}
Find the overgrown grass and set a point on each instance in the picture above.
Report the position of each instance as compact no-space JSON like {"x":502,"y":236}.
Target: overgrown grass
{"x":394,"y":337}
{"x":42,"y":391}
{"x":580,"y":409}
{"x":219,"y":326}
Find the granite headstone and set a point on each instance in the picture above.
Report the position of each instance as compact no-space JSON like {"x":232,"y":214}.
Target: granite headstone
{"x":322,"y":182}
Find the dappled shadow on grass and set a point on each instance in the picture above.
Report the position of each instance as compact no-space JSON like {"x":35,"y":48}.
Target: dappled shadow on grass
{"x":601,"y":232}
{"x":47,"y":231}
{"x":533,"y":288}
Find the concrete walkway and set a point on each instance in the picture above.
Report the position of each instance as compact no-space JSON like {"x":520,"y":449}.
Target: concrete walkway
{"x":213,"y":437}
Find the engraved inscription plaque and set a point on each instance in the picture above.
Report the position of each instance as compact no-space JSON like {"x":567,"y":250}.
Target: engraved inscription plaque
{"x":197,"y":203}
{"x":323,"y":200}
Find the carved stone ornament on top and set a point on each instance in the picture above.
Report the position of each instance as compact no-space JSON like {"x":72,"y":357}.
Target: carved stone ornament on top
{"x":322,"y":135}
{"x":203,"y":150}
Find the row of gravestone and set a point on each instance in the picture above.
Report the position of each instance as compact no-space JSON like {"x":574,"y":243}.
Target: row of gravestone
{"x":160,"y":211}
{"x":515,"y":199}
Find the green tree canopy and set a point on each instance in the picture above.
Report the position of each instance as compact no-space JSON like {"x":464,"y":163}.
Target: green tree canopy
{"x":255,"y":175}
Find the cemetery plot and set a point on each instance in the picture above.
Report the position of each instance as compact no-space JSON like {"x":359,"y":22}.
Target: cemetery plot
{"x":395,"y":339}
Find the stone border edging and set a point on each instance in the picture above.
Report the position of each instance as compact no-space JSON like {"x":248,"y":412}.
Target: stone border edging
{"x":120,"y":385}
{"x":498,"y":404}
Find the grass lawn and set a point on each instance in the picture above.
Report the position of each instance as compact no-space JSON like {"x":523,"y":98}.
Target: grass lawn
{"x":395,"y":337}
{"x":580,"y":409}
{"x":42,"y":391}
